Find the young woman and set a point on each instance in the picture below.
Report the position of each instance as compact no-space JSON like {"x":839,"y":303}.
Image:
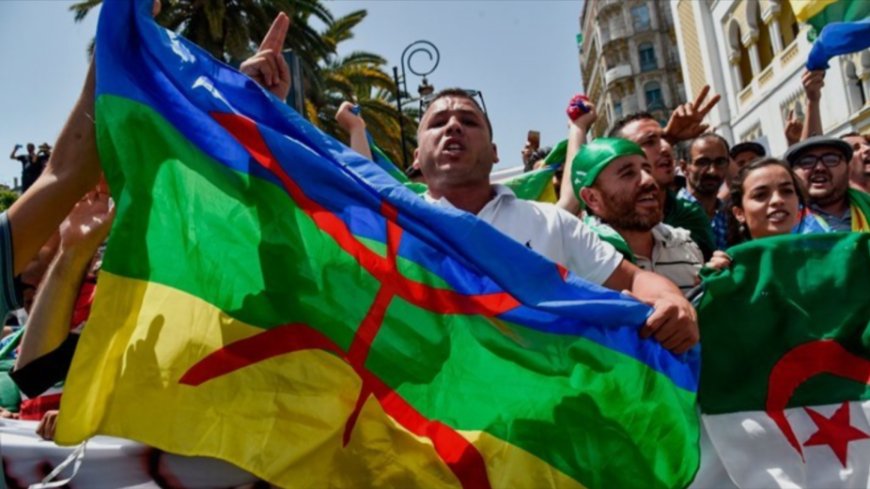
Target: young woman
{"x":767,"y":200}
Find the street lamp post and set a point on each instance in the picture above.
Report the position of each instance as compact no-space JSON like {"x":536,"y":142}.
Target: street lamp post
{"x":423,"y":90}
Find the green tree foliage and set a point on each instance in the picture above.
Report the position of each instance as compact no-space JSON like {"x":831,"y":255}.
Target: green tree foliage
{"x":7,"y":197}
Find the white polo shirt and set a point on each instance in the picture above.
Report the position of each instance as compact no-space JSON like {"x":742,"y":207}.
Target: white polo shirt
{"x":550,"y":231}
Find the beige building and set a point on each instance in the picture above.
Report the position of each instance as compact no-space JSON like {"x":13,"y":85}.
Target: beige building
{"x":753,"y":52}
{"x":628,"y":59}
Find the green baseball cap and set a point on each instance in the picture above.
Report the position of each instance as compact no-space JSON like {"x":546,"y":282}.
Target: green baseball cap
{"x":593,"y":157}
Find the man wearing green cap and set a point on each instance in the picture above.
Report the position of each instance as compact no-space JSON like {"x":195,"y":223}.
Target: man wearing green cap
{"x":613,"y":178}
{"x":456,"y":154}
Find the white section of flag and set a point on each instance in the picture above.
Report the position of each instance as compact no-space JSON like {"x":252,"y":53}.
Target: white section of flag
{"x":755,"y":453}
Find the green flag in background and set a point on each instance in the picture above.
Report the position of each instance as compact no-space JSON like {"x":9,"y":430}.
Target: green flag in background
{"x":786,"y":362}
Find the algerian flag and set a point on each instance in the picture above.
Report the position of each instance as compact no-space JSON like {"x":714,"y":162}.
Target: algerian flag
{"x":786,"y":363}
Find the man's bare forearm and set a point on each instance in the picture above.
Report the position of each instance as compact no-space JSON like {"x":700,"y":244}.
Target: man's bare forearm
{"x":567,"y":199}
{"x":813,"y":125}
{"x":48,"y":324}
{"x":72,"y":170}
{"x":359,"y":142}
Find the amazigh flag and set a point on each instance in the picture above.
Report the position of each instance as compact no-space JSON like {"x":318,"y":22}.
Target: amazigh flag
{"x":786,"y":366}
{"x":270,"y":298}
{"x":837,"y":27}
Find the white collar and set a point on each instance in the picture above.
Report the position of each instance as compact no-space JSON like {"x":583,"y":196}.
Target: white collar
{"x":500,"y":193}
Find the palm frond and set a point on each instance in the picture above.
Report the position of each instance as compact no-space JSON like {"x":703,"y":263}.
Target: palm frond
{"x":83,"y":8}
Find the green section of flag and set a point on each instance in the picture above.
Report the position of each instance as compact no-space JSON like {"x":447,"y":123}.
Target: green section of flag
{"x":556,"y":156}
{"x":532,"y":185}
{"x":779,"y":293}
{"x":549,"y":394}
{"x":839,"y":11}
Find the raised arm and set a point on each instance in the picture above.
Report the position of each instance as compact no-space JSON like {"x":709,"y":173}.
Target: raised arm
{"x":349,"y":119}
{"x":578,"y":126}
{"x":813,"y":81}
{"x":794,"y":128}
{"x":72,"y":169}
{"x":80,"y":235}
{"x":12,"y":155}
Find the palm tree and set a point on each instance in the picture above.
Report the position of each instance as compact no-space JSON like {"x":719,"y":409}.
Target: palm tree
{"x":358,"y":76}
{"x":231,"y":30}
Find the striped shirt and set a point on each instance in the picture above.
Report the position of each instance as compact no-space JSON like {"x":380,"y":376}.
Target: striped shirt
{"x":674,"y":256}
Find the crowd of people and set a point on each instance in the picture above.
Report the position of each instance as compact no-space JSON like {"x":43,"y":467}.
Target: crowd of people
{"x":633,"y":214}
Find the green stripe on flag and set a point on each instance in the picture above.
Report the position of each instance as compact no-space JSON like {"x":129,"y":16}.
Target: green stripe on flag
{"x":791,"y":290}
{"x":564,"y":401}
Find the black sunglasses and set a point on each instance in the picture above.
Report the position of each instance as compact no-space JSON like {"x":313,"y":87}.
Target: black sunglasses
{"x":475,"y":95}
{"x":809,"y":162}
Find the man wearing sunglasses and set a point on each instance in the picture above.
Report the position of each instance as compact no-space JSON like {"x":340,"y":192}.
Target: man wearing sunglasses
{"x":822,"y":164}
{"x":705,"y":172}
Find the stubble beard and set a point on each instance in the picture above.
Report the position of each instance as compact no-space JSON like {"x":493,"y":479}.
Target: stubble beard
{"x":622,"y":215}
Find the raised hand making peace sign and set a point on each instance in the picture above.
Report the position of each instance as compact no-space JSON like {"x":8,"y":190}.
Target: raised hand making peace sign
{"x":268,"y":67}
{"x":687,"y":120}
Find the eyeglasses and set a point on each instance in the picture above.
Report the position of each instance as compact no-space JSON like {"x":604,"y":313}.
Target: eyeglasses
{"x":809,"y":162}
{"x":475,"y":95}
{"x":706,"y":162}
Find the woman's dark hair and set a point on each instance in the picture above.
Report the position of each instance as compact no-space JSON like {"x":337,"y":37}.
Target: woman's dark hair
{"x":737,"y":233}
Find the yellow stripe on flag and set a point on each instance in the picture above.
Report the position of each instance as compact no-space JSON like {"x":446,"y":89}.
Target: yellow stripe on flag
{"x":859,"y":220}
{"x":138,"y":343}
{"x":807,"y":9}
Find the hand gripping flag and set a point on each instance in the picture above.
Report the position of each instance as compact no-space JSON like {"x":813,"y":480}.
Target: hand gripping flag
{"x":786,"y":363}
{"x":270,"y":298}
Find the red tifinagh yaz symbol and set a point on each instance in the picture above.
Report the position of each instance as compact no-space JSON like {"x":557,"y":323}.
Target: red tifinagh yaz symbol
{"x":459,"y":455}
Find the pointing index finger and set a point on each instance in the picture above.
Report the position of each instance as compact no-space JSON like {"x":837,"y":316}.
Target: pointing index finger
{"x":274,"y":39}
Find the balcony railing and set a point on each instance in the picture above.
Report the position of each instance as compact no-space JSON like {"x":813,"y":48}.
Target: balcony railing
{"x":614,"y":34}
{"x":616,"y":73}
{"x":607,"y":4}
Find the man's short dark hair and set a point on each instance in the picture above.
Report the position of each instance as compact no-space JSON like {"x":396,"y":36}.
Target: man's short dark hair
{"x":681,"y":151}
{"x":460,"y":93}
{"x":616,"y":130}
{"x":709,"y":135}
{"x":851,"y":134}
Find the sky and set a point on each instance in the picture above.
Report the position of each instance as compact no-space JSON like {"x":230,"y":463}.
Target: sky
{"x":522,"y":55}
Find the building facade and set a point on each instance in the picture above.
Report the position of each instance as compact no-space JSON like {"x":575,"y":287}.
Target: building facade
{"x":629,"y":60}
{"x":753,"y":53}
